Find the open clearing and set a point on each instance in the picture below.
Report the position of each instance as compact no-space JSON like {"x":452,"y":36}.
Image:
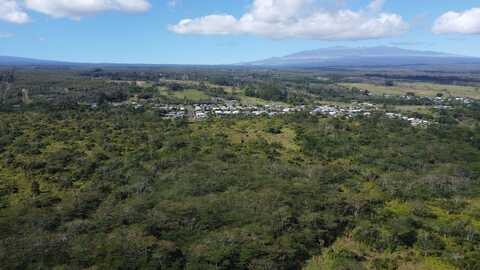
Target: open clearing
{"x":420,"y":89}
{"x":192,"y":95}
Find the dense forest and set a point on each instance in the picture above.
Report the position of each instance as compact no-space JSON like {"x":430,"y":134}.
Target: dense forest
{"x":115,"y":188}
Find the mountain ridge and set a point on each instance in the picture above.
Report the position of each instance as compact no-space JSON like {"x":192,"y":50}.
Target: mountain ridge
{"x":364,"y":56}
{"x":381,"y":56}
{"x":6,"y":60}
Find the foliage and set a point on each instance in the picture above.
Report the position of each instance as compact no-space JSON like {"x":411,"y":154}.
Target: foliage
{"x":116,"y":188}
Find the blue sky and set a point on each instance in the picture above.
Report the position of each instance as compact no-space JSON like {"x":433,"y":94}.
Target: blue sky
{"x":144,"y":31}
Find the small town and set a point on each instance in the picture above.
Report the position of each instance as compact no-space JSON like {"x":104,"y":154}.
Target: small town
{"x":232,"y":108}
{"x":240,"y":135}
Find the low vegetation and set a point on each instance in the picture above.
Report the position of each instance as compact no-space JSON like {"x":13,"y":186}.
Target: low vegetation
{"x":107,"y":187}
{"x":418,"y":88}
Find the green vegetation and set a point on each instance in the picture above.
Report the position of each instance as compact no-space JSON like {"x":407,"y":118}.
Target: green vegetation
{"x":112,"y":187}
{"x":192,"y":95}
{"x":127,"y":190}
{"x":414,"y":108}
{"x":420,"y":89}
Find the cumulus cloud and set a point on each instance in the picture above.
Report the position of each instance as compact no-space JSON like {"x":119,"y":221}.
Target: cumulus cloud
{"x":211,"y":24}
{"x":299,"y":18}
{"x":79,"y":8}
{"x":172,"y":3}
{"x":6,"y":35}
{"x":14,"y":12}
{"x":10,"y":11}
{"x":467,"y":22}
{"x":376,"y":5}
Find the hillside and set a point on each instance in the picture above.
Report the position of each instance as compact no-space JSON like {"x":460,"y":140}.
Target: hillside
{"x":21,"y":61}
{"x":364,"y":56}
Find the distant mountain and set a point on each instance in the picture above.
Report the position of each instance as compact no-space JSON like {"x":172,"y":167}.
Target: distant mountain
{"x":364,"y":56}
{"x":21,"y":61}
{"x":327,"y":57}
{"x":12,"y":61}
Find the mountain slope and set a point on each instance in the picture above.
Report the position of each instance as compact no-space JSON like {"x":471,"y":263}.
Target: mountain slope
{"x":365,"y":56}
{"x":21,"y":61}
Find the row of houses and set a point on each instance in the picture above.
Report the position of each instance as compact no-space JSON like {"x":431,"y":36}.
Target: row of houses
{"x":202,"y":111}
{"x":364,"y":109}
{"x":413,"y":121}
{"x":233,"y":108}
{"x":438,"y":100}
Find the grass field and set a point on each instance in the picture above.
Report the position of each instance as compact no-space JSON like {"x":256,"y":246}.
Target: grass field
{"x":414,"y":108}
{"x":192,"y":95}
{"x":252,"y":101}
{"x":420,"y":89}
{"x":245,"y":131}
{"x":197,"y":95}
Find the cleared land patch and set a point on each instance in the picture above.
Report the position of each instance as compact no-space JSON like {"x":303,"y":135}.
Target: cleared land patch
{"x":420,"y":89}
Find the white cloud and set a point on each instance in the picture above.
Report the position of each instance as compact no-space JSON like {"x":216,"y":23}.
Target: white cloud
{"x":78,"y":8}
{"x":376,"y":5}
{"x":172,"y":3}
{"x":467,"y":22}
{"x":212,"y":24}
{"x":6,"y":35}
{"x":10,"y":11}
{"x":299,"y":18}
